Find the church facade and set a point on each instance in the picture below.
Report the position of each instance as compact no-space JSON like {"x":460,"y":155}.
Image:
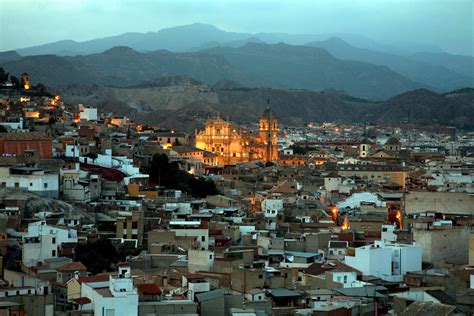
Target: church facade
{"x":232,"y":144}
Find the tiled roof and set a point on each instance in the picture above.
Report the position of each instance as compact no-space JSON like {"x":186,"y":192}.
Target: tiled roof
{"x":148,"y":289}
{"x":24,"y":136}
{"x":95,"y":278}
{"x":82,"y":300}
{"x":73,"y":266}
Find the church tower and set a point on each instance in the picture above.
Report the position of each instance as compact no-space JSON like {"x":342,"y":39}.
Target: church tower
{"x":268,"y":134}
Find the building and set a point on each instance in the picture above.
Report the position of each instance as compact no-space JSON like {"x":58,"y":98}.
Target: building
{"x":43,"y":241}
{"x":31,"y":179}
{"x":87,"y":113}
{"x":117,"y":296}
{"x":17,"y":143}
{"x":387,"y":261}
{"x":233,"y":145}
{"x":380,"y":174}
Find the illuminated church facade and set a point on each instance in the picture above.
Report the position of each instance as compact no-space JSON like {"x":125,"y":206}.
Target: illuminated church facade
{"x":232,"y":144}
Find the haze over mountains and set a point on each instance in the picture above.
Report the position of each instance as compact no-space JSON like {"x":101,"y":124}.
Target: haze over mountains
{"x":209,"y":54}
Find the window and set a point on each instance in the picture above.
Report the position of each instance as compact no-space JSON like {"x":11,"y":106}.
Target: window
{"x":54,"y":240}
{"x":31,"y":184}
{"x":345,"y":279}
{"x":134,"y":225}
{"x":260,"y":276}
{"x":53,"y":253}
{"x":17,"y":185}
{"x":203,"y":238}
{"x":210,"y":257}
{"x":45,"y":185}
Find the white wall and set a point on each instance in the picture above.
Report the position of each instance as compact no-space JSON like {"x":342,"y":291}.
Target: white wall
{"x":48,"y":244}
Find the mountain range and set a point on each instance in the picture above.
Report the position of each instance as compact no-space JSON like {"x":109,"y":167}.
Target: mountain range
{"x":353,"y":63}
{"x":184,"y":103}
{"x":253,"y":65}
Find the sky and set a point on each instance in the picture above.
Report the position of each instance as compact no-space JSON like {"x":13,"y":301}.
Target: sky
{"x":447,"y":24}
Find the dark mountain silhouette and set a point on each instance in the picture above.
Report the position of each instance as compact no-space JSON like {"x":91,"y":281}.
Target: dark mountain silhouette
{"x":422,"y":106}
{"x":287,"y":66}
{"x":252,"y":65}
{"x":433,"y":73}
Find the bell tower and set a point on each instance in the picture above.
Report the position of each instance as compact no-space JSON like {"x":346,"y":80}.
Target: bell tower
{"x":25,"y":81}
{"x":268,"y":134}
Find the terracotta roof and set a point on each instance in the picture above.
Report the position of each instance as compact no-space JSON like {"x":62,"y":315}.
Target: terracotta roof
{"x":73,"y":266}
{"x":24,"y":136}
{"x":95,"y":278}
{"x":82,"y":300}
{"x":148,"y":289}
{"x":194,"y":276}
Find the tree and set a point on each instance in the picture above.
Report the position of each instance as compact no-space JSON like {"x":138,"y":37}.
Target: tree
{"x":3,"y":75}
{"x":168,"y":174}
{"x":97,"y":256}
{"x":15,"y":81}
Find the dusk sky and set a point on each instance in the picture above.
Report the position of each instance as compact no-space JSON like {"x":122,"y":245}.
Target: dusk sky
{"x":447,"y":24}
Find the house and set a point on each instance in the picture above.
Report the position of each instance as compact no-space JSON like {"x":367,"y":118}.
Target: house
{"x":71,"y":270}
{"x":117,"y":296}
{"x":32,"y":179}
{"x":43,"y":241}
{"x":388,"y":261}
{"x":18,"y":143}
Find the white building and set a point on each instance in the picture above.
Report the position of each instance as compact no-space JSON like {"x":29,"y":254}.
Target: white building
{"x":88,"y":114}
{"x":43,"y":242}
{"x":271,"y":207}
{"x":114,"y":298}
{"x":387,"y":261}
{"x":13,"y":123}
{"x":356,"y":199}
{"x":195,"y":285}
{"x":31,"y":179}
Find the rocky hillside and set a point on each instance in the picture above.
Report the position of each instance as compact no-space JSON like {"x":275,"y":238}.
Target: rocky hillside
{"x":185,"y":103}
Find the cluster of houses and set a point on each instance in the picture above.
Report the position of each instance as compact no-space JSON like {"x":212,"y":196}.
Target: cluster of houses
{"x":332,"y":220}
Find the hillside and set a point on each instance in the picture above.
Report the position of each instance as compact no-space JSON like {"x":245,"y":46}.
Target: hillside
{"x":443,"y":73}
{"x":252,"y":65}
{"x":301,"y":67}
{"x":184,"y":103}
{"x":427,"y":107}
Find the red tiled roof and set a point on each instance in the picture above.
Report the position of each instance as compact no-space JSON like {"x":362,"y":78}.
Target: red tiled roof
{"x":82,"y":300}
{"x":95,"y":278}
{"x":148,"y":289}
{"x":73,"y":266}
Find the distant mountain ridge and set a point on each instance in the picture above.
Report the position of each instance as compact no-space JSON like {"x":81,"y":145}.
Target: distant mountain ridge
{"x":420,"y":63}
{"x":185,"y":103}
{"x":252,"y":65}
{"x":445,"y":72}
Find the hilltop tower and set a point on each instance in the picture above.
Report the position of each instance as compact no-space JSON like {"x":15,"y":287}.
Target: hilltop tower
{"x":25,"y":81}
{"x":364,"y":146}
{"x":268,"y":134}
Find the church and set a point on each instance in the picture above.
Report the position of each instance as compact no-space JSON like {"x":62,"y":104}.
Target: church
{"x":232,"y":144}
